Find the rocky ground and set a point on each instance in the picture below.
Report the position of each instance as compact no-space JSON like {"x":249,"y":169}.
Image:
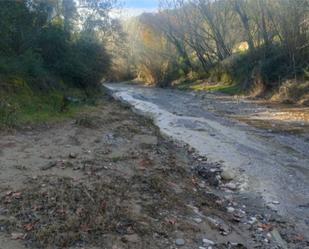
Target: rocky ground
{"x":265,"y":145}
{"x":109,"y":180}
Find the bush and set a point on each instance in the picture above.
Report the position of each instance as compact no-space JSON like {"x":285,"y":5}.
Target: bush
{"x":265,"y":67}
{"x":8,"y":114}
{"x":293,"y":92}
{"x":86,"y":64}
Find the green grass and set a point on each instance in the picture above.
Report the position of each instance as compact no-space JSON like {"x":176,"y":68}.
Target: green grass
{"x":29,"y":108}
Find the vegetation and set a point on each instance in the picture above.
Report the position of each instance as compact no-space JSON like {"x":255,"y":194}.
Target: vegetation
{"x":51,"y":52}
{"x":55,"y":53}
{"x":254,"y":44}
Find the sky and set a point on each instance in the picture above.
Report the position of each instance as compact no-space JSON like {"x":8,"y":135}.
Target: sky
{"x":136,"y":7}
{"x":141,"y":4}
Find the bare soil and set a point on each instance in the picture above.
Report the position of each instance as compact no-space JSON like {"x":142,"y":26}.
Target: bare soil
{"x":109,"y":180}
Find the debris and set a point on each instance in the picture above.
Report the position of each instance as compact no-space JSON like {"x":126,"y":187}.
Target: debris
{"x":219,"y":224}
{"x":252,"y":220}
{"x":277,"y":237}
{"x":49,"y":166}
{"x":266,"y":227}
{"x":20,"y":167}
{"x":211,"y":173}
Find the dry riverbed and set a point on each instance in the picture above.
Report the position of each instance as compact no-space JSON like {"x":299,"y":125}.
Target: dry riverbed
{"x":107,"y":179}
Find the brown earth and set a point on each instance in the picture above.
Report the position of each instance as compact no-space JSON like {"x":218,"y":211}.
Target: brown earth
{"x":109,"y":180}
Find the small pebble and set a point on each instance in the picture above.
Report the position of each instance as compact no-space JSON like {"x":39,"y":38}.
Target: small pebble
{"x":198,"y":220}
{"x":180,"y":242}
{"x":72,"y":155}
{"x":208,"y":242}
{"x":230,"y":209}
{"x":252,"y":220}
{"x":231,"y":186}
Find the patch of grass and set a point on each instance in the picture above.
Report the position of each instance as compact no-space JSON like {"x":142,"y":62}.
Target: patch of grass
{"x":227,"y":89}
{"x":231,"y":89}
{"x":28,"y":108}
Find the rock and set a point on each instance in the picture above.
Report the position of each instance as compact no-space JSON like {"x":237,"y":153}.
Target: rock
{"x":276,"y":202}
{"x":180,"y":242}
{"x":16,"y":236}
{"x":72,"y":155}
{"x":198,"y":220}
{"x":224,"y":229}
{"x":208,"y":242}
{"x":209,"y":174}
{"x":132,"y":238}
{"x":231,"y":186}
{"x":277,"y":237}
{"x":213,"y":222}
{"x":252,"y":220}
{"x":227,"y":175}
{"x":49,"y":166}
{"x":230,"y":209}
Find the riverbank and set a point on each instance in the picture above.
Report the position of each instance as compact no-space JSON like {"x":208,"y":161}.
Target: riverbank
{"x":107,"y":177}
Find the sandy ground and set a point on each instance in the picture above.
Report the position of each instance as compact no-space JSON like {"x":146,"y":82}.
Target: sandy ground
{"x":107,"y":179}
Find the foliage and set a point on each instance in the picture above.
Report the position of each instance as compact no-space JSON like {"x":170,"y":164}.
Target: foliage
{"x":8,"y":114}
{"x":293,"y":92}
{"x":247,"y":42}
{"x":49,"y":46}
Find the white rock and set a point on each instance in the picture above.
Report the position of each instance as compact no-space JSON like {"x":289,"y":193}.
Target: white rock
{"x":198,"y":220}
{"x":230,"y":209}
{"x":231,"y":186}
{"x":180,"y":242}
{"x":252,"y":220}
{"x":208,"y":242}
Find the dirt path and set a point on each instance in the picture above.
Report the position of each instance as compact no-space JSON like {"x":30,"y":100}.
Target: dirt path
{"x":266,"y":147}
{"x":109,"y":180}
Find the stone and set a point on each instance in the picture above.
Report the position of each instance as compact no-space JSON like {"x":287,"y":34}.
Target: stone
{"x":72,"y":155}
{"x":180,"y":242}
{"x":227,"y":175}
{"x":132,"y":238}
{"x":231,"y":186}
{"x":252,"y":220}
{"x":17,"y":236}
{"x":277,"y":237}
{"x":49,"y":166}
{"x":208,"y":242}
{"x":230,"y":209}
{"x":198,"y":220}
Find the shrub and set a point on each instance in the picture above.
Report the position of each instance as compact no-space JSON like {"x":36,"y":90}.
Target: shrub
{"x":8,"y":114}
{"x":293,"y":92}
